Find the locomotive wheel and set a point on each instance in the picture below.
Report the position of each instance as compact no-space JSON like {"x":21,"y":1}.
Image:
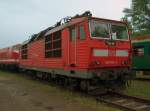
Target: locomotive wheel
{"x":85,"y":85}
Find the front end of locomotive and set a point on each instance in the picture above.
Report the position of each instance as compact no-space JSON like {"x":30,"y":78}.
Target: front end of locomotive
{"x":110,"y":46}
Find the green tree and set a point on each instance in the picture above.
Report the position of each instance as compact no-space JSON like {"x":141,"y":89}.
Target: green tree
{"x":139,"y":16}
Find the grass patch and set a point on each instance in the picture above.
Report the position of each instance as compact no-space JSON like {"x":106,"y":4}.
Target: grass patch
{"x":139,"y":88}
{"x":69,"y":96}
{"x":86,"y":101}
{"x":23,"y":79}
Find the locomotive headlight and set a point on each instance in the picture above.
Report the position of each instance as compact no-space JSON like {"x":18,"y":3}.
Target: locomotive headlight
{"x":97,"y":62}
{"x":94,"y":63}
{"x":125,"y":62}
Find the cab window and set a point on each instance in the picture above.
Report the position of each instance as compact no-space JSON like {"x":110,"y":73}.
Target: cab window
{"x":73,"y":33}
{"x":119,"y":32}
{"x":99,"y":29}
{"x":82,"y":32}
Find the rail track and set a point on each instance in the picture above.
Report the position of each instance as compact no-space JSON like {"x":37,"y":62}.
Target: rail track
{"x":143,"y":79}
{"x":124,"y":102}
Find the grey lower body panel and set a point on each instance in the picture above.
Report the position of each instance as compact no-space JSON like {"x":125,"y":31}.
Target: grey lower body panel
{"x":104,"y":74}
{"x":85,"y":74}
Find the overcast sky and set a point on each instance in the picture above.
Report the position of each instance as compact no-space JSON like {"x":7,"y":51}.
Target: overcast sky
{"x":21,"y":18}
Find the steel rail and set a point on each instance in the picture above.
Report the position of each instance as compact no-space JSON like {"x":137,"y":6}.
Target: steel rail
{"x":125,"y":102}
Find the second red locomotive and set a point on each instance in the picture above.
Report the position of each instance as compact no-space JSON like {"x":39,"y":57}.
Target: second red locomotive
{"x":9,"y":57}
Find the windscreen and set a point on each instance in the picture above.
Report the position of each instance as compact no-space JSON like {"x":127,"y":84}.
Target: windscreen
{"x":119,"y":32}
{"x":106,"y":30}
{"x":99,"y":29}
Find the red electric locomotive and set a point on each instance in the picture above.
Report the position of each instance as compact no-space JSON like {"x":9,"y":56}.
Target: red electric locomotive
{"x":9,"y":57}
{"x":83,"y":51}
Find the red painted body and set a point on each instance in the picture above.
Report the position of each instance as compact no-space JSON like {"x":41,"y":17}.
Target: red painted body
{"x":83,"y":51}
{"x":10,"y":55}
{"x":78,"y":55}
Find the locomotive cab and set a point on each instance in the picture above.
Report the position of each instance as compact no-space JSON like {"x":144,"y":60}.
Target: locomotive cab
{"x":110,"y":44}
{"x":110,"y":47}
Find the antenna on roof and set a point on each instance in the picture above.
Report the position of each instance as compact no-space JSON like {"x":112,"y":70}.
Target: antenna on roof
{"x":85,"y":14}
{"x":68,"y":18}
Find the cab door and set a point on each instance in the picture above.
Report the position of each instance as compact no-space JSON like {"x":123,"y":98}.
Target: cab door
{"x":73,"y":46}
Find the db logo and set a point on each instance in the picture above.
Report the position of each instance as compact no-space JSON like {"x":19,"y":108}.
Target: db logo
{"x":112,"y":52}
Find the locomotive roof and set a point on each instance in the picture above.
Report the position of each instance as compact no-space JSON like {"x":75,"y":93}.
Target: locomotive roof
{"x":50,"y":30}
{"x":25,"y":42}
{"x":73,"y":20}
{"x":78,"y":20}
{"x":110,"y":20}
